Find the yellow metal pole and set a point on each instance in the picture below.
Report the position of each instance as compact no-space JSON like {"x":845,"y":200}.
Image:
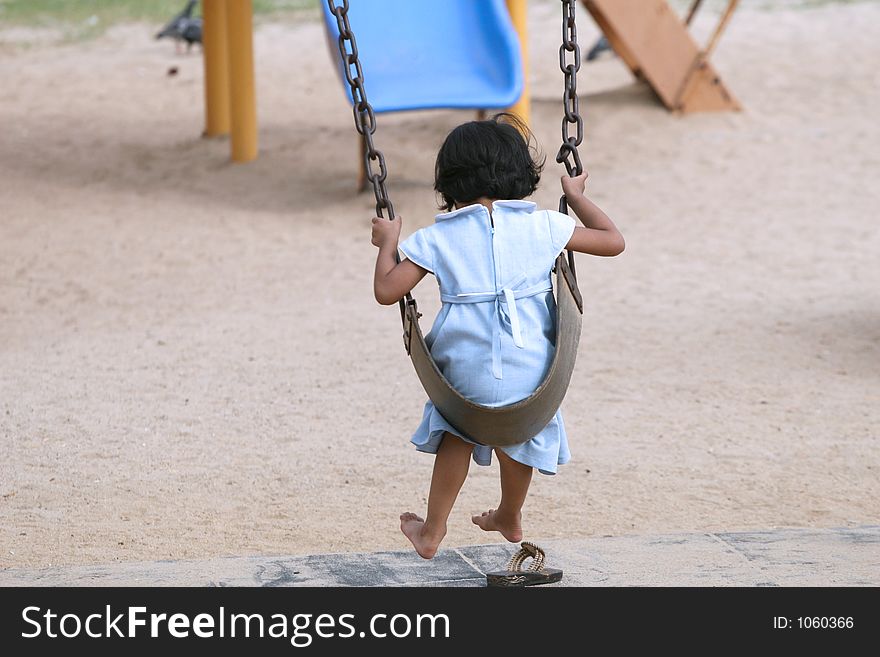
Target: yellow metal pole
{"x":518,"y":14}
{"x":216,"y":68}
{"x":242,"y":96}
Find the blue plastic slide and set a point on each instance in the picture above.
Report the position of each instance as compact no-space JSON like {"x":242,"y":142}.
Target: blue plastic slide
{"x":423,"y":54}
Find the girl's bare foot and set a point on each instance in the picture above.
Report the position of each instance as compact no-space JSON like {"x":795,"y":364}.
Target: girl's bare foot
{"x":424,"y":541}
{"x":493,"y":521}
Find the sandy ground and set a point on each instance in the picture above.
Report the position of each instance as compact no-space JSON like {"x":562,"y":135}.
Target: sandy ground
{"x":192,"y":364}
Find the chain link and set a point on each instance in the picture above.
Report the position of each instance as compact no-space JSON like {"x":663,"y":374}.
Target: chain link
{"x":365,"y":124}
{"x":364,"y":117}
{"x":570,"y":64}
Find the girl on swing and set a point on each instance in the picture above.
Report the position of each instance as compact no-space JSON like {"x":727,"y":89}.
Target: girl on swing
{"x":492,"y":253}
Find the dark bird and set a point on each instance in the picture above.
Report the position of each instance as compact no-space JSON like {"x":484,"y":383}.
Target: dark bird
{"x":183,"y":27}
{"x":598,"y":48}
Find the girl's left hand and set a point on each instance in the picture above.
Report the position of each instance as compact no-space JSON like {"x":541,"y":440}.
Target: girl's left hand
{"x":573,"y":187}
{"x":386,"y":232}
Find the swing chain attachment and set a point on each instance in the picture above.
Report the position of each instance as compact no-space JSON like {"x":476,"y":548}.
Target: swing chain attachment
{"x":568,"y":151}
{"x":365,"y":124}
{"x":364,"y":117}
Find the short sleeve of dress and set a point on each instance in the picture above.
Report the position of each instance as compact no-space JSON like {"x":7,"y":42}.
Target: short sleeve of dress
{"x":561,"y":230}
{"x":417,"y":247}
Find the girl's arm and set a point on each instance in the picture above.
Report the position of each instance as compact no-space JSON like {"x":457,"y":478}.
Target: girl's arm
{"x":392,"y":280}
{"x":599,"y":236}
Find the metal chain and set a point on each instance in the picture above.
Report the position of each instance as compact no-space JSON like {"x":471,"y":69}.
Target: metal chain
{"x":364,"y":117}
{"x":365,"y":124}
{"x":568,"y":152}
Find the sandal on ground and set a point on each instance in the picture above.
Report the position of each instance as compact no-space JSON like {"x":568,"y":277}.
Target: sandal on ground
{"x":515,"y":576}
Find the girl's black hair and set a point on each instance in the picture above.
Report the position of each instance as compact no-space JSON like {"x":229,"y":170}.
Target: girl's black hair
{"x":495,"y":158}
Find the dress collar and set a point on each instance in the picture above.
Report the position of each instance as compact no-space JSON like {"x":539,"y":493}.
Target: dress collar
{"x":519,"y":204}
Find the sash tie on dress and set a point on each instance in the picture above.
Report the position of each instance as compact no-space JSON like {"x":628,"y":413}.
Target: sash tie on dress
{"x":506,"y":312}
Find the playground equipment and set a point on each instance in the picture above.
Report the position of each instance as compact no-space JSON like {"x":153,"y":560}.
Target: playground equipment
{"x":469,"y":50}
{"x":518,"y":422}
{"x":455,"y":54}
{"x":461,"y":53}
{"x":427,"y":55}
{"x":655,"y":44}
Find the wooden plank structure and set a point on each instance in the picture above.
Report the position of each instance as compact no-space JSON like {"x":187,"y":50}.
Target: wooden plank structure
{"x":657,"y":47}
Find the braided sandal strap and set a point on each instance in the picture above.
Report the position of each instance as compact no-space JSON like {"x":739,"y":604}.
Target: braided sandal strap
{"x":526,"y":551}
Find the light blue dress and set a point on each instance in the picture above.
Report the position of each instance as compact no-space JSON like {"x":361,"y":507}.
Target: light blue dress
{"x":493,"y":338}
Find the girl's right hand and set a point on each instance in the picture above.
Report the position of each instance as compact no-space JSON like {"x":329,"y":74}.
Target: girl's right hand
{"x":386,"y":232}
{"x":573,"y":187}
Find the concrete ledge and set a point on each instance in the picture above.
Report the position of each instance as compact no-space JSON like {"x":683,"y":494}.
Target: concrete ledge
{"x":779,"y":557}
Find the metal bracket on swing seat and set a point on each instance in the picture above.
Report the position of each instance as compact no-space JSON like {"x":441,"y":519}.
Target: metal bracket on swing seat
{"x":411,"y":317}
{"x":563,"y":267}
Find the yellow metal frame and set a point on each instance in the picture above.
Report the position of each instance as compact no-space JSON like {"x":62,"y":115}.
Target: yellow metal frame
{"x":518,"y":10}
{"x":230,"y":90}
{"x":216,"y":58}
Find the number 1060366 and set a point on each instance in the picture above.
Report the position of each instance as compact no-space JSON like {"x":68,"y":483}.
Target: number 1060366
{"x":813,"y":622}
